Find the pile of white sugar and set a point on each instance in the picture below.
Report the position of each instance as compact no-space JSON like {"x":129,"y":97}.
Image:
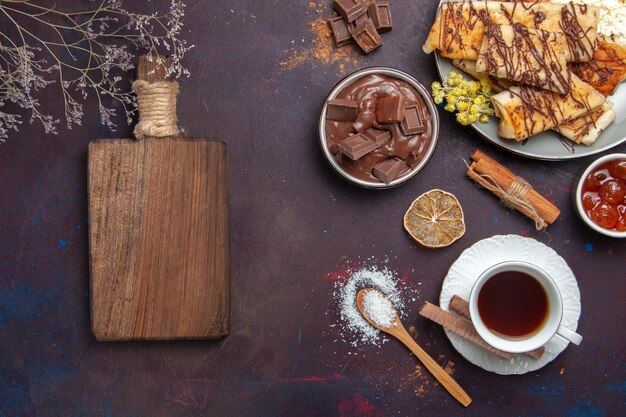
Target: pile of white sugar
{"x":612,"y":17}
{"x":351,"y":326}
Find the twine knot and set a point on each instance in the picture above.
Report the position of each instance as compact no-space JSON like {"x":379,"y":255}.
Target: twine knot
{"x":516,"y":192}
{"x":156,"y":102}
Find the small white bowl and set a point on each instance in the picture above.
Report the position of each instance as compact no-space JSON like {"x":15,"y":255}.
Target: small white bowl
{"x":393,"y":73}
{"x":577,"y":196}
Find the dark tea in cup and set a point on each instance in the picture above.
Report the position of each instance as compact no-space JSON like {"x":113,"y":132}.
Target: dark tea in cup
{"x":516,"y":307}
{"x":513,"y":304}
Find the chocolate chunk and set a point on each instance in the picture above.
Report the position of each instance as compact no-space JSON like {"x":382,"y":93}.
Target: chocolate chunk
{"x":380,"y":13}
{"x":342,"y":110}
{"x":379,"y":136}
{"x":340,"y":31}
{"x":389,"y":169}
{"x":413,"y":123}
{"x":390,"y":109}
{"x":367,"y":37}
{"x":358,"y":21}
{"x":357,"y":146}
{"x":349,"y":9}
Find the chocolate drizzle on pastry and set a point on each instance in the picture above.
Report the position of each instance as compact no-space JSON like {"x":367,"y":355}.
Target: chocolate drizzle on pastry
{"x":526,"y":111}
{"x":459,"y":27}
{"x":530,"y":56}
{"x":580,"y":43}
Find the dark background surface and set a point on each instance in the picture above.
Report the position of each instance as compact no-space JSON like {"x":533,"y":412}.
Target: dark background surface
{"x":294,"y":225}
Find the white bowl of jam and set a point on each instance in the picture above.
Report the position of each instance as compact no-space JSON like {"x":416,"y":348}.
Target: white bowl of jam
{"x":600,"y":196}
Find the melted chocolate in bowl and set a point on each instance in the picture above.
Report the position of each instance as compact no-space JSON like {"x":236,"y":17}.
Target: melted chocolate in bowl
{"x":365,"y":91}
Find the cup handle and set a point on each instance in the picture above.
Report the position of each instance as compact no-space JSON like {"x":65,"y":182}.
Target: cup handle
{"x":570,"y":335}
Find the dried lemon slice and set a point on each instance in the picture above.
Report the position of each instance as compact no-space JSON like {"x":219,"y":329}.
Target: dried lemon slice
{"x":435,"y":219}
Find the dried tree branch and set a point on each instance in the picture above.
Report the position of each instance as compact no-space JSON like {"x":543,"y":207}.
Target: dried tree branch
{"x":79,"y":52}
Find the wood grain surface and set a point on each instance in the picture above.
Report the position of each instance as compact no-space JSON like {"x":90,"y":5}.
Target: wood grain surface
{"x":158,"y":212}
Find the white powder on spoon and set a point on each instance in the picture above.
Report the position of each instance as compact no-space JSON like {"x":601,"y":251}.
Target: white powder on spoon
{"x":379,"y":309}
{"x":353,"y":328}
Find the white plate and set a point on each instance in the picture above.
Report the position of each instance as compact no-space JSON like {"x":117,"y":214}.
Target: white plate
{"x":548,"y":146}
{"x":485,"y":253}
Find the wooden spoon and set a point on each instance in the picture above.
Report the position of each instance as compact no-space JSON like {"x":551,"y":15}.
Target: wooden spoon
{"x":399,"y":332}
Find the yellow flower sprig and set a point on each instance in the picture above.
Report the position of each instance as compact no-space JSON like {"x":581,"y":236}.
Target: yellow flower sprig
{"x":470,"y":99}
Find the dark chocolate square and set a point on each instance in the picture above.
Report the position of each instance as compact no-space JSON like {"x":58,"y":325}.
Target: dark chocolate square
{"x":389,"y":169}
{"x":379,"y":136}
{"x":367,"y":37}
{"x":413,"y":121}
{"x":340,"y":31}
{"x":349,"y":9}
{"x":342,"y":110}
{"x":358,"y":21}
{"x":357,"y":146}
{"x":380,"y":13}
{"x":390,"y":109}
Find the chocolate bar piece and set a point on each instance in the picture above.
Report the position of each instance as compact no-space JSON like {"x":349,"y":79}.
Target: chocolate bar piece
{"x":349,"y":9}
{"x":412,"y":123}
{"x":367,"y":37}
{"x":390,"y":109}
{"x":381,"y":137}
{"x":342,"y":110}
{"x":359,"y":20}
{"x":340,"y":31}
{"x":389,"y":169}
{"x":357,"y":146}
{"x":380,"y":13}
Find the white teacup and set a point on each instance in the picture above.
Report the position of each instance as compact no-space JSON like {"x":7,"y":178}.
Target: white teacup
{"x":550,"y":326}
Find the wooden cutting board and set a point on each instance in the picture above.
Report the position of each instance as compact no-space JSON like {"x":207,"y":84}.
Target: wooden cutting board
{"x":158,"y":231}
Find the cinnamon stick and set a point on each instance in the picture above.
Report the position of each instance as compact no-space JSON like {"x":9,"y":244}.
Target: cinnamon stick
{"x":460,"y":326}
{"x":504,"y":178}
{"x":461,"y":307}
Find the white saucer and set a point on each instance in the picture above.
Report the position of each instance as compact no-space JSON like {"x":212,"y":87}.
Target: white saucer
{"x":480,"y":256}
